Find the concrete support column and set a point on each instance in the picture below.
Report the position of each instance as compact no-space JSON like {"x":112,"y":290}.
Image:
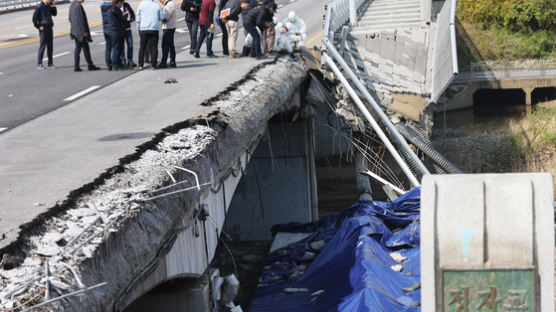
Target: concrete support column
{"x":528,"y":99}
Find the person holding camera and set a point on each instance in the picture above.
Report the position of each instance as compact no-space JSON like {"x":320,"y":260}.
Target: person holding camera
{"x":42,"y":19}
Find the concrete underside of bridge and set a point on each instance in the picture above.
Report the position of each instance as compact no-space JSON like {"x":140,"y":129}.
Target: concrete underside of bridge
{"x":463,"y":98}
{"x":146,"y":217}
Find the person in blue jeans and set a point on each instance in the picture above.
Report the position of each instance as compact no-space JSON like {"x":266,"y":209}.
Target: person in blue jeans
{"x":112,"y":24}
{"x":192,"y":10}
{"x":127,"y":39}
{"x":207,"y":27}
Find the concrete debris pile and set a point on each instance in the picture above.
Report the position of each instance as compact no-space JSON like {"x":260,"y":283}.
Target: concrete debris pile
{"x":73,"y":236}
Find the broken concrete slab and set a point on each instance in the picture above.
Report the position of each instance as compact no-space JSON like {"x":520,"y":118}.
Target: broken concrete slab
{"x":135,"y":224}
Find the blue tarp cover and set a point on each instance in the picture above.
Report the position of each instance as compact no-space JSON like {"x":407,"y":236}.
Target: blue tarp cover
{"x":354,"y":268}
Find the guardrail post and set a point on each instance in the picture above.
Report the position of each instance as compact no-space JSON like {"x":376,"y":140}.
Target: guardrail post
{"x":352,"y":13}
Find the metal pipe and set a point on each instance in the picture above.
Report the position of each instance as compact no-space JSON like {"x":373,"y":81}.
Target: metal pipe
{"x":47,"y":280}
{"x":364,"y":191}
{"x":77,"y":279}
{"x":327,"y":22}
{"x":371,"y":120}
{"x":65,"y":296}
{"x":376,"y":108}
{"x":453,"y":37}
{"x":352,"y":13}
{"x":193,"y":173}
{"x":381,"y":180}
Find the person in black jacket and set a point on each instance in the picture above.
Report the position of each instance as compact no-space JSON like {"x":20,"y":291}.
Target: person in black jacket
{"x":42,"y":19}
{"x":113,"y":26}
{"x":256,"y":18}
{"x":127,"y":39}
{"x":252,"y":4}
{"x":192,"y":10}
{"x":81,"y":34}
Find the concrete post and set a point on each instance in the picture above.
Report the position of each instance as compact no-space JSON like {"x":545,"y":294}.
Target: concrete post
{"x":352,"y":13}
{"x":491,"y":232}
{"x":528,"y":97}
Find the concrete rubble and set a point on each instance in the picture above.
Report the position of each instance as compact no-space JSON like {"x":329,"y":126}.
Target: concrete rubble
{"x":111,"y":232}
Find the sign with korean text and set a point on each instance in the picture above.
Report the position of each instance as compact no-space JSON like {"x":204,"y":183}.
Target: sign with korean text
{"x":496,"y":290}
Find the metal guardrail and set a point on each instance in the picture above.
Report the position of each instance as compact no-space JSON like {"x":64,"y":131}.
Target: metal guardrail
{"x":509,"y":69}
{"x":7,"y":6}
{"x":445,"y":57}
{"x":338,"y":14}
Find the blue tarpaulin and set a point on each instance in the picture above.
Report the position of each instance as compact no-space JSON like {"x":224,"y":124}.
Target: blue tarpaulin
{"x":353,"y":271}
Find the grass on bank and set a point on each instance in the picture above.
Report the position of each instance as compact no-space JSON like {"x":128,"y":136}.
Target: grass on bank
{"x":535,"y":133}
{"x":476,"y":44}
{"x":529,"y":145}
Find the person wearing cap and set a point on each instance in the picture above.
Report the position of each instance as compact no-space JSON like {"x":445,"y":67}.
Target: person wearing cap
{"x":256,"y":18}
{"x":81,"y":34}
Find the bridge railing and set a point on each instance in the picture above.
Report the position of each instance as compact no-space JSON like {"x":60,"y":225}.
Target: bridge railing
{"x":445,"y":58}
{"x":7,"y":6}
{"x":507,"y":69}
{"x":338,"y":14}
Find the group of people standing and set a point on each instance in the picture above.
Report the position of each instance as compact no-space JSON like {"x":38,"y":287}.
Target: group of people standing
{"x":117,"y":16}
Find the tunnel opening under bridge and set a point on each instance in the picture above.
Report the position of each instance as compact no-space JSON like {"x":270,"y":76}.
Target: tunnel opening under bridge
{"x":495,"y":101}
{"x":544,"y":94}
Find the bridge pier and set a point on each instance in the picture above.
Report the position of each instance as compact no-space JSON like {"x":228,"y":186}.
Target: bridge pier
{"x":528,"y":95}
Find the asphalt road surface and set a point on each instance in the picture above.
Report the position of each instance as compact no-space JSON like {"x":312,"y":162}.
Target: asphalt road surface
{"x":26,"y":93}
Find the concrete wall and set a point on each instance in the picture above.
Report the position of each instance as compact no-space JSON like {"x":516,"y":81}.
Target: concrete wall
{"x":277,"y":186}
{"x":464,"y":98}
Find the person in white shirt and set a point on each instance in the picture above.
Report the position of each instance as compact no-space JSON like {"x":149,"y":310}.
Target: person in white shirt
{"x":168,"y":29}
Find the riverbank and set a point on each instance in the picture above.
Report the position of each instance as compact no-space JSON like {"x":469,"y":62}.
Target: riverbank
{"x":500,"y":143}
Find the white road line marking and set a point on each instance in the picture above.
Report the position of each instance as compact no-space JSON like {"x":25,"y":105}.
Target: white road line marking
{"x":1,"y":73}
{"x":81,"y":93}
{"x":292,"y":1}
{"x":180,"y":19}
{"x":102,"y":43}
{"x":3,"y":129}
{"x":181,"y":30}
{"x":57,"y":55}
{"x":186,"y":47}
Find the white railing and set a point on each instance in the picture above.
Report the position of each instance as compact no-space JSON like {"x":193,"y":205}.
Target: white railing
{"x":444,"y":66}
{"x":338,"y":13}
